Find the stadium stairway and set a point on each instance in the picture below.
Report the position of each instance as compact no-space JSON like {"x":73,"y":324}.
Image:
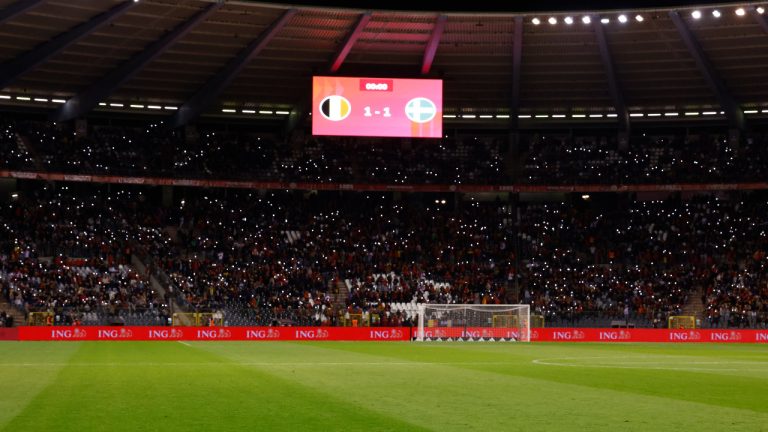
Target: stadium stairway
{"x":18,"y":316}
{"x":25,"y":145}
{"x":339,"y":293}
{"x":694,"y":307}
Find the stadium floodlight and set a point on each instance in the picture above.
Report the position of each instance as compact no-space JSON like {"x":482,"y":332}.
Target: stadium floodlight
{"x":639,"y":18}
{"x":622,"y":18}
{"x":568,"y":20}
{"x":605,"y":20}
{"x":552,"y":20}
{"x":760,"y":10}
{"x":716,"y":13}
{"x":474,"y":322}
{"x":586,"y":19}
{"x":535,"y":21}
{"x":696,"y":14}
{"x":741,"y":12}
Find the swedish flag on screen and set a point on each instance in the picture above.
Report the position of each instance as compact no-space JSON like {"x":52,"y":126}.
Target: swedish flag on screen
{"x":420,"y":110}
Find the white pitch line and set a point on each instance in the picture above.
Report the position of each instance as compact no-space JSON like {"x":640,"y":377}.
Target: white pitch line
{"x":267,"y":364}
{"x":184,"y":343}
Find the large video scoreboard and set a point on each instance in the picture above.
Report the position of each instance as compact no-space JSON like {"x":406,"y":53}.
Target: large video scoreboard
{"x":377,"y":107}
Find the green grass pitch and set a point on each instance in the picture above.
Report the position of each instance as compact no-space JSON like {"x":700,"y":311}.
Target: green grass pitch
{"x":451,"y":386}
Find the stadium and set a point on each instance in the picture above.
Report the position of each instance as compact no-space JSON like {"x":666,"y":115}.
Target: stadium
{"x":233,"y":214}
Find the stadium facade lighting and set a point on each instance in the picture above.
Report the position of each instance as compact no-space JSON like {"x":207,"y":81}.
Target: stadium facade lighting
{"x":671,"y":114}
{"x":41,"y":100}
{"x":605,"y":20}
{"x":470,"y":116}
{"x":171,"y":108}
{"x":750,"y":111}
{"x":613,"y":115}
{"x":265,"y":112}
{"x":586,"y":19}
{"x":741,"y":12}
{"x":23,"y":98}
{"x":558,"y":115}
{"x":228,"y":110}
{"x":578,"y":115}
{"x":595,"y":116}
{"x":623,"y":18}
{"x":283,"y":112}
{"x":568,"y":20}
{"x":716,"y":13}
{"x":524,"y":116}
{"x":449,"y":116}
{"x":58,"y":101}
{"x":504,"y":116}
{"x":709,"y":113}
{"x":535,"y":21}
{"x":552,"y":20}
{"x":116,"y":105}
{"x":155,"y":107}
{"x":760,"y":10}
{"x":541,"y":116}
{"x":248,"y":111}
{"x":765,"y":111}
{"x":137,"y":106}
{"x":639,"y":18}
{"x":636,"y":115}
{"x":696,"y":14}
{"x":692,"y":113}
{"x":654,"y":114}
{"x":486,"y":116}
{"x":4,"y":97}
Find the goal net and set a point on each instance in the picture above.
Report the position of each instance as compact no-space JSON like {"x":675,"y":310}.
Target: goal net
{"x":474,"y":322}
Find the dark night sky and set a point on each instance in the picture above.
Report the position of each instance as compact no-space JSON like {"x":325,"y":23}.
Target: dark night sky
{"x":507,"y":6}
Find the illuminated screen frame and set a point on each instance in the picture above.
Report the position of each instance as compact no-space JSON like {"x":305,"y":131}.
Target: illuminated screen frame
{"x":377,"y":107}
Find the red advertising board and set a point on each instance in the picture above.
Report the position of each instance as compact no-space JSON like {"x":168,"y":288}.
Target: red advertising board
{"x":647,"y":335}
{"x":9,"y":333}
{"x":87,"y":333}
{"x":375,"y":334}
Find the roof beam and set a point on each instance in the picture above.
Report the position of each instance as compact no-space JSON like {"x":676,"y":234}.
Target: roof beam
{"x":13,"y":69}
{"x":88,"y":99}
{"x":517,"y":59}
{"x":17,"y":9}
{"x":761,"y":19}
{"x":727,"y":102}
{"x":349,"y":42}
{"x":217,"y":83}
{"x":434,"y":42}
{"x":617,"y":95}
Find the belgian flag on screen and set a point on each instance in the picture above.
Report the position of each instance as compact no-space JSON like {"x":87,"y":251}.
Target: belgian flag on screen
{"x":335,"y":108}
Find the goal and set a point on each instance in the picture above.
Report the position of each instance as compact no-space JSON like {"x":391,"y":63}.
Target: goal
{"x":474,"y":322}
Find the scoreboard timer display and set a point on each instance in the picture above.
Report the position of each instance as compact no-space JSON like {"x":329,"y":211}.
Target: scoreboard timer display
{"x":377,"y":107}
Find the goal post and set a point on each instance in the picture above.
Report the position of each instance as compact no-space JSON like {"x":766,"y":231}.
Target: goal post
{"x":474,"y":322}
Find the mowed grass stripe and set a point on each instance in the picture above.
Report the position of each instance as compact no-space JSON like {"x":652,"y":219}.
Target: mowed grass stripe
{"x":19,"y":386}
{"x":188,"y":397}
{"x":453,"y":393}
{"x":704,"y":386}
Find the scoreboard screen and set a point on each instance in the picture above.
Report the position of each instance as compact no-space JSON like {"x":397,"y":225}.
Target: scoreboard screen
{"x":377,"y":107}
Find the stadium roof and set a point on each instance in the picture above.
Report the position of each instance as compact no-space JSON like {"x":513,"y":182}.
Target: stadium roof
{"x":187,"y":57}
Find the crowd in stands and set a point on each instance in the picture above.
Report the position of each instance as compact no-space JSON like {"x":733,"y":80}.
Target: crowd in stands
{"x":218,"y":153}
{"x":651,"y":160}
{"x":275,"y":258}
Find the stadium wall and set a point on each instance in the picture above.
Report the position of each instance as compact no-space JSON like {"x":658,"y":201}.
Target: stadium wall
{"x":370,"y":334}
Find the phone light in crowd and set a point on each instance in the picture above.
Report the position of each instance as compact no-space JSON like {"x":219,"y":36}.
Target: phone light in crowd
{"x":696,"y":14}
{"x":639,"y":18}
{"x":741,"y":12}
{"x":586,"y":19}
{"x":552,"y":20}
{"x":585,"y":197}
{"x":716,"y":13}
{"x":568,"y":20}
{"x":622,"y":19}
{"x":535,"y":21}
